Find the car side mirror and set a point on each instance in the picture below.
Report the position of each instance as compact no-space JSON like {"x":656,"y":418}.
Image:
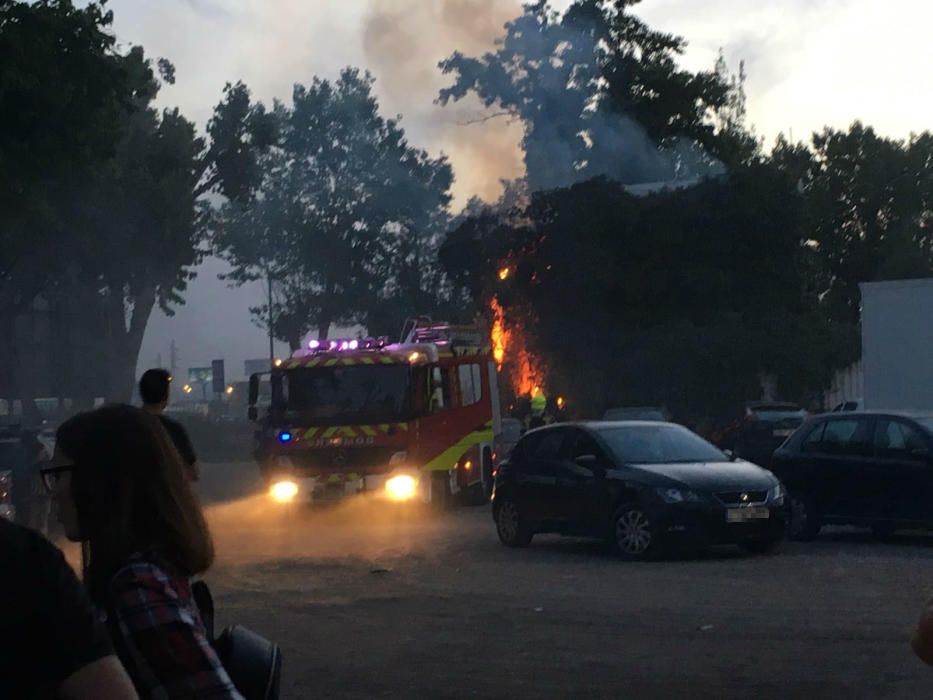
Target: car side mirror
{"x":730,"y":454}
{"x":590,"y":462}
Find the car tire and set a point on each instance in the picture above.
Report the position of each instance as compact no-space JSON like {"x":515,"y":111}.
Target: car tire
{"x":633,"y":533}
{"x":763,"y":546}
{"x":804,"y":523}
{"x":511,"y":526}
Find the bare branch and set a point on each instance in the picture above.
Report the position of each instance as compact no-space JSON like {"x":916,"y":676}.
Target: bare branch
{"x":487,"y":118}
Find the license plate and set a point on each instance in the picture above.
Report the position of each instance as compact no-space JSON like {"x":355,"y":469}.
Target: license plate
{"x":744,"y":515}
{"x":785,"y":432}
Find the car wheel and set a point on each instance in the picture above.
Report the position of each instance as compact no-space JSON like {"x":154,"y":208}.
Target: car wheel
{"x":762,"y":546}
{"x":511,"y":526}
{"x":633,"y":532}
{"x":804,"y":524}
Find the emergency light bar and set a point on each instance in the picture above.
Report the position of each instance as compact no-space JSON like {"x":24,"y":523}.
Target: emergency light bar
{"x":345,"y":345}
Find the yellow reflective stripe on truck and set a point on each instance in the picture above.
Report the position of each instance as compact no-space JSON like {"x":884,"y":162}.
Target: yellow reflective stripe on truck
{"x":446,"y":460}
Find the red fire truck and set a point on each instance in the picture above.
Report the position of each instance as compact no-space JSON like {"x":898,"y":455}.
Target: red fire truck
{"x":410,"y":420}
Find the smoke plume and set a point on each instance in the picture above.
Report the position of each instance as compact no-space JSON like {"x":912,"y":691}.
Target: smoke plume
{"x":403,"y":42}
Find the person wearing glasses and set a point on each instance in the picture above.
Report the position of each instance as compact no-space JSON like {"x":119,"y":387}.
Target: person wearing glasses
{"x":52,"y":643}
{"x":119,"y":486}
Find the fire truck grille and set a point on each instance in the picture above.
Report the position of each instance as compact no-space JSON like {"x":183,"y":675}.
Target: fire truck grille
{"x":331,"y":460}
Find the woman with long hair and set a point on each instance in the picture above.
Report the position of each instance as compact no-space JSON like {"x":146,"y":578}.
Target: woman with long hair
{"x":120,"y":487}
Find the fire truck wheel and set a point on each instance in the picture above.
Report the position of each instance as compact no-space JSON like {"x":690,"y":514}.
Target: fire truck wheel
{"x":475,"y":495}
{"x":441,"y":497}
{"x":512,"y":528}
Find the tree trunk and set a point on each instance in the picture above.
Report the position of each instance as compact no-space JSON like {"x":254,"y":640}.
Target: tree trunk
{"x":323,"y":327}
{"x":127,"y":341}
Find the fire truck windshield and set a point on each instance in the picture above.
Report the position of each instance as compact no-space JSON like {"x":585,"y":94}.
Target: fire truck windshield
{"x":355,"y":394}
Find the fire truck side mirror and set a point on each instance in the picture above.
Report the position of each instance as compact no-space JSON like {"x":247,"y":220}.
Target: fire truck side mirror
{"x":253,"y":393}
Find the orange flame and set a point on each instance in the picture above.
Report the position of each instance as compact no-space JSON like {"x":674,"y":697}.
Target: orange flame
{"x":523,"y":372}
{"x":504,"y":273}
{"x":500,"y":336}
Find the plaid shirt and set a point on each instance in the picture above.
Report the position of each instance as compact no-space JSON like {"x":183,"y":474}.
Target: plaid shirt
{"x":160,"y":637}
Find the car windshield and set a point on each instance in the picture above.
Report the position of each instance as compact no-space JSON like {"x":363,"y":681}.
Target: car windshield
{"x":634,"y":414}
{"x":778,"y":414}
{"x":926,"y":422}
{"x":356,"y":394}
{"x":658,"y":444}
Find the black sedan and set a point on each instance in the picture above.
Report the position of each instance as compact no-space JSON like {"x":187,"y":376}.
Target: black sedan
{"x":871,"y":469}
{"x":640,"y":485}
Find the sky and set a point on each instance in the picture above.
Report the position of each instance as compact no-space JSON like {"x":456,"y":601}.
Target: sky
{"x":810,"y":63}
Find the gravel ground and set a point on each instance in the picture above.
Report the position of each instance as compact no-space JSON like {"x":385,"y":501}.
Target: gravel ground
{"x":369,"y":600}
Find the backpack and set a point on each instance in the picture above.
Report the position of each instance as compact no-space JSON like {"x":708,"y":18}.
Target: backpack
{"x":253,"y":663}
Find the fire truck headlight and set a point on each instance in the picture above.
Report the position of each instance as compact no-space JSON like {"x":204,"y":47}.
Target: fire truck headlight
{"x":284,"y":491}
{"x":402,"y":487}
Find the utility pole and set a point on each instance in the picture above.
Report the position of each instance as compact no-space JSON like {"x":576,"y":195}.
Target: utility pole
{"x":173,"y":357}
{"x":271,"y":321}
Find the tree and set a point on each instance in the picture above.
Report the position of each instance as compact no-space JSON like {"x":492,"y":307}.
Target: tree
{"x":144,"y":207}
{"x":107,"y":190}
{"x":679,"y":316}
{"x":600,"y":93}
{"x":345,"y":216}
{"x":869,"y":208}
{"x":62,"y":96}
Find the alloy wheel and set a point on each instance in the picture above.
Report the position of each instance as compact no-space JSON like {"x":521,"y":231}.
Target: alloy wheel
{"x":633,"y":533}
{"x":508,"y":521}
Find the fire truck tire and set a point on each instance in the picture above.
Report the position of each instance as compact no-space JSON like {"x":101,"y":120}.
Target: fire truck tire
{"x":475,"y":495}
{"x":441,"y":497}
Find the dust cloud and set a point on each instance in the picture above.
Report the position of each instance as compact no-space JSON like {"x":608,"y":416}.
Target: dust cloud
{"x":256,"y":529}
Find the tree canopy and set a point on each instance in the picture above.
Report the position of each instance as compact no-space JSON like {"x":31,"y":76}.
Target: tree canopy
{"x":345,"y":216}
{"x":101,"y":189}
{"x":600,"y":93}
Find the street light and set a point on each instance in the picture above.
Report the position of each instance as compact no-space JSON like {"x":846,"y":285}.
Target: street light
{"x":229,"y":390}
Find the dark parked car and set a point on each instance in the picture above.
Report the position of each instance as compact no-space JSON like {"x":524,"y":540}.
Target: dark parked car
{"x":639,"y":485}
{"x":869,"y":468}
{"x":760,"y":430}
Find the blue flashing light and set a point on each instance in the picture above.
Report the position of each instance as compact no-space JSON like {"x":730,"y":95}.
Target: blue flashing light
{"x":285,"y":436}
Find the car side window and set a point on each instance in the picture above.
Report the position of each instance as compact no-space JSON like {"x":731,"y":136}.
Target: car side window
{"x":581,"y":444}
{"x":811,"y":443}
{"x":847,"y":436}
{"x":897,"y":440}
{"x":549,"y":445}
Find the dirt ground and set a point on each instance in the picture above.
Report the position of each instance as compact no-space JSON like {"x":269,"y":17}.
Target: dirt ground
{"x":372,"y":601}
